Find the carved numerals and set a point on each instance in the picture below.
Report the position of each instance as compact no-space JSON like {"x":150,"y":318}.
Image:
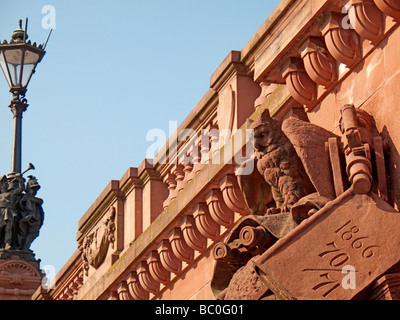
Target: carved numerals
{"x":349,"y":242}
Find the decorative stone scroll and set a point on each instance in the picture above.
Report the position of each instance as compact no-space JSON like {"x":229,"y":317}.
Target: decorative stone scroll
{"x":145,"y":279}
{"x":156,"y":269}
{"x":219,"y":211}
{"x":192,"y":235}
{"x":386,"y":287}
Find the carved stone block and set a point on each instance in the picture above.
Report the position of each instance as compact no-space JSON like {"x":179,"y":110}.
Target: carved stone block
{"x":360,"y":233}
{"x":18,"y":279}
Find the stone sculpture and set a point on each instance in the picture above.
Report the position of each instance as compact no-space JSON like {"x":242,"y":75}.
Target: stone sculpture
{"x":306,"y":176}
{"x":292,"y":159}
{"x":21,"y":215}
{"x":278,"y":163}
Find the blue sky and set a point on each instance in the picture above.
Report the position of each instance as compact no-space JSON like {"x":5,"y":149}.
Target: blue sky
{"x":113,"y":71}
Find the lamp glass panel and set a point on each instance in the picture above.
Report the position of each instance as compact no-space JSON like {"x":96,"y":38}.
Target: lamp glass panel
{"x":14,"y":60}
{"x":27,"y":73}
{"x":3,"y":66}
{"x":30,"y":61}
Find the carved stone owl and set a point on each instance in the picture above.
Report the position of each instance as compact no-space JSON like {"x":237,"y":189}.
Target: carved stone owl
{"x":278,"y":163}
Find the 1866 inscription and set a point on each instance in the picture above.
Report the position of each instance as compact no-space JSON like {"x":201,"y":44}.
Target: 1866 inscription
{"x":348,"y":240}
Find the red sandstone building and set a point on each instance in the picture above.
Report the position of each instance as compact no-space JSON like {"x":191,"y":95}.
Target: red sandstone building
{"x":318,"y":213}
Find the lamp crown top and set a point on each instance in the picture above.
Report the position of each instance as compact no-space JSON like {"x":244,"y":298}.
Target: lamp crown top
{"x":20,"y":34}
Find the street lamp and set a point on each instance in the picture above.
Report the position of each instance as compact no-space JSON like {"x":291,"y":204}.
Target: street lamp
{"x":18,"y":60}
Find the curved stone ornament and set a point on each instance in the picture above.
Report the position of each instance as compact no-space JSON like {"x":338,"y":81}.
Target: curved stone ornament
{"x":218,"y":209}
{"x":123,"y":292}
{"x":205,"y":224}
{"x":302,"y":88}
{"x":192,"y":235}
{"x":135,"y":288}
{"x":145,"y":279}
{"x":343,"y":44}
{"x":157,"y":271}
{"x":179,"y":247}
{"x":319,"y":64}
{"x":390,"y":7}
{"x":232,"y":195}
{"x":366,"y":19}
{"x":167,"y":258}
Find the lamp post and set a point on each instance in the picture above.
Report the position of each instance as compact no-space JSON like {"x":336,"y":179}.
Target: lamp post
{"x":18,"y":60}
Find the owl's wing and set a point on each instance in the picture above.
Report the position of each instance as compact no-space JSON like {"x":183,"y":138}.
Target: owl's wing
{"x":256,"y":191}
{"x":309,"y":142}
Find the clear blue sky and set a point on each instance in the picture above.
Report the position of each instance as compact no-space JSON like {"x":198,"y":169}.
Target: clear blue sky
{"x":113,"y":71}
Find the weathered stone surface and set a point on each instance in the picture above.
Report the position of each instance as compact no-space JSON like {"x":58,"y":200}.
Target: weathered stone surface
{"x":353,"y":232}
{"x":244,"y":284}
{"x":309,"y":142}
{"x":18,"y":279}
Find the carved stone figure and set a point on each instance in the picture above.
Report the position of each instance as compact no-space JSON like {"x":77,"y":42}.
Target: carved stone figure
{"x":278,"y":163}
{"x":292,"y":159}
{"x":32,"y":215}
{"x":21,"y":215}
{"x":9,"y":214}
